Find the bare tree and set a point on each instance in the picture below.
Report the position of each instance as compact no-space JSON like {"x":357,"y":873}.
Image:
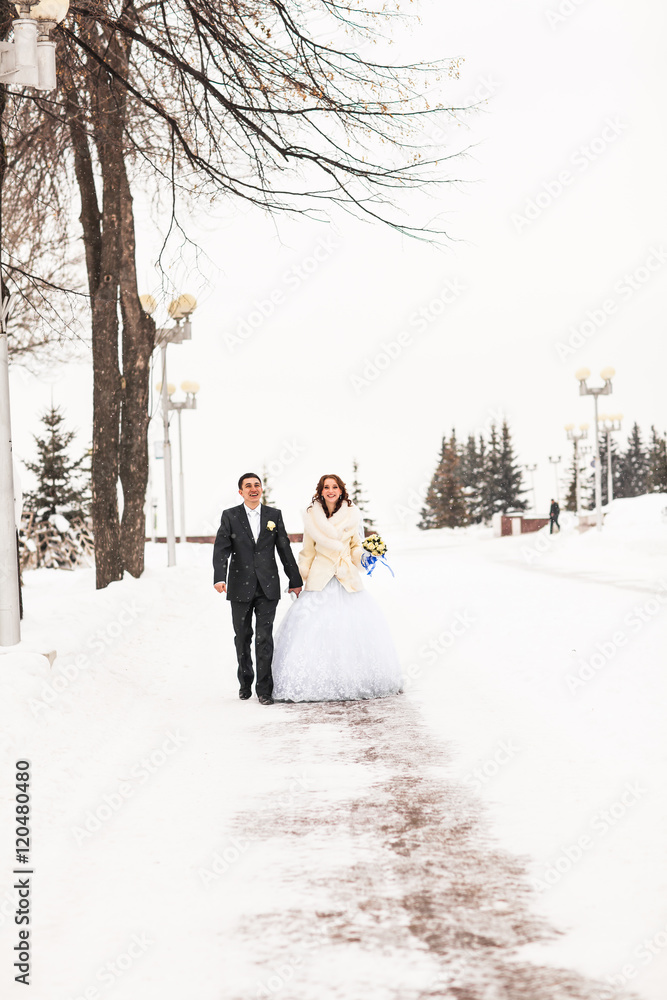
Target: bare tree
{"x":259,"y":100}
{"x":42,"y":271}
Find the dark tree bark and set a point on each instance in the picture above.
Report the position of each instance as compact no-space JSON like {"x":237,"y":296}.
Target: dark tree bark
{"x":102,"y":240}
{"x":138,"y":344}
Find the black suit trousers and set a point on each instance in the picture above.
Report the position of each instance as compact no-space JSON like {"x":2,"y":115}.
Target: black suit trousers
{"x":264,"y":611}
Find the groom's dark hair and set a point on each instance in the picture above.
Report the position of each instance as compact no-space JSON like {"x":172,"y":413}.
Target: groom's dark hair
{"x":248,"y":475}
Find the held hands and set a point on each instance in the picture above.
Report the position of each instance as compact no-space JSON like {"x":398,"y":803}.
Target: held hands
{"x":222,"y":589}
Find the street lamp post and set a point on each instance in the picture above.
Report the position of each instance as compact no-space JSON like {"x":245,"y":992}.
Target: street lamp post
{"x":180,"y":310}
{"x":10,"y":616}
{"x":610,"y":424}
{"x":165,"y":391}
{"x":181,"y":481}
{"x":531,"y":469}
{"x":607,"y":375}
{"x":576,"y":437}
{"x":27,"y":61}
{"x":189,"y":403}
{"x":30,"y":59}
{"x":555,"y":462}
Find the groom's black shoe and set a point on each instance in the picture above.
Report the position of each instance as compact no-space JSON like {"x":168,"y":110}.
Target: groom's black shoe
{"x":265,"y":699}
{"x":244,"y":693}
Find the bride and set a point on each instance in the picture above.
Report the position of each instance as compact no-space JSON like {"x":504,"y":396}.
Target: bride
{"x":334,"y":643}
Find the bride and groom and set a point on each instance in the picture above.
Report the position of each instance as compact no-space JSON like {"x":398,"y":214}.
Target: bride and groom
{"x":333,"y":644}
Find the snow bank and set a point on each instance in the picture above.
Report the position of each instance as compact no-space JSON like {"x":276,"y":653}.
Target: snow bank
{"x":513,"y":654}
{"x":648,"y":512}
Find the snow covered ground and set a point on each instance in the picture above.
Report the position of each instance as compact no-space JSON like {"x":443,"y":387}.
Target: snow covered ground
{"x":186,"y":843}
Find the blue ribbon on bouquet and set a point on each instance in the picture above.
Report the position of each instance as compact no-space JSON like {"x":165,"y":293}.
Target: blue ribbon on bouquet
{"x":369,"y":561}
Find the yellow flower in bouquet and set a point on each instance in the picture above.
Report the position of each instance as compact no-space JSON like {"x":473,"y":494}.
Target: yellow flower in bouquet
{"x":376,"y":549}
{"x":374,"y":544}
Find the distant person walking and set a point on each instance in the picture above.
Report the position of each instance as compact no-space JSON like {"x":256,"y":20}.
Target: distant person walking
{"x":554,"y":512}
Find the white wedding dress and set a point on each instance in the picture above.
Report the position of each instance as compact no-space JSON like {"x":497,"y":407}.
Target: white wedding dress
{"x":333,"y":645}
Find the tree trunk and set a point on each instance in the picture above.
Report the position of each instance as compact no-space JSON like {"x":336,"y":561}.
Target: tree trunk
{"x":138,"y":344}
{"x":106,"y":416}
{"x":107,"y":380}
{"x":102,"y":240}
{"x":101,"y":234}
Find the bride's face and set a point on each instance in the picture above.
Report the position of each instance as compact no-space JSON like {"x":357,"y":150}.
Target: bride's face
{"x":331,"y":491}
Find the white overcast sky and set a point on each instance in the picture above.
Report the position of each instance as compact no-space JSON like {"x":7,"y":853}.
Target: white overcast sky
{"x":581,"y":100}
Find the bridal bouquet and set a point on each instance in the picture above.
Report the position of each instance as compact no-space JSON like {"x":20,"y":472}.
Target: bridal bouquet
{"x":375,"y":548}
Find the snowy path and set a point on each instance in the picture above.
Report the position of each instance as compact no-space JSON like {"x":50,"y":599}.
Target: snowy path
{"x":396,"y":891}
{"x":190,"y":844}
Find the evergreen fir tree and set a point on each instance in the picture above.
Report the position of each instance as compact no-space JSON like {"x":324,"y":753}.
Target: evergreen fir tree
{"x":482,"y":459}
{"x":656,"y":480}
{"x":490,"y":492}
{"x":471,"y":474}
{"x":570,"y":501}
{"x":457,"y":502}
{"x":587,"y":480}
{"x":431,"y":511}
{"x":509,"y":477}
{"x":633,"y":467}
{"x":358,"y":497}
{"x":62,"y":483}
{"x":466,"y":461}
{"x":445,"y":505}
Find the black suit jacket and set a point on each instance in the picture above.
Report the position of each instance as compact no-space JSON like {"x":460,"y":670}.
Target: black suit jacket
{"x":252,"y":561}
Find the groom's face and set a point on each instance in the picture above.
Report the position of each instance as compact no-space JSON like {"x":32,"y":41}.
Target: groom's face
{"x":251,"y":491}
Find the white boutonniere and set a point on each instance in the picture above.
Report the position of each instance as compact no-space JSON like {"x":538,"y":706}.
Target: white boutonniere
{"x":270,"y":525}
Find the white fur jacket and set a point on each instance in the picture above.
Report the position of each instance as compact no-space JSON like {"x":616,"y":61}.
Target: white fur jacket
{"x":331,"y":547}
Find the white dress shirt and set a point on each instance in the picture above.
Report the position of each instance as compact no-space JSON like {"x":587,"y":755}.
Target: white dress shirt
{"x":254,"y":518}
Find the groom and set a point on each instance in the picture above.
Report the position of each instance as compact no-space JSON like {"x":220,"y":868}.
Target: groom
{"x":250,"y":534}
